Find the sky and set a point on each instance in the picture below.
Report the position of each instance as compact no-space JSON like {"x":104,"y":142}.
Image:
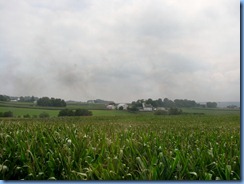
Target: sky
{"x":121,"y":50}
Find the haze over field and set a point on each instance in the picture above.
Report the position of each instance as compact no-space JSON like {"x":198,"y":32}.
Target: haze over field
{"x":121,"y":50}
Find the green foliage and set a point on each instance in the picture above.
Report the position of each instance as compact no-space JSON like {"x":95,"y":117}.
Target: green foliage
{"x":132,"y":109}
{"x":161,"y":112}
{"x":44,"y":115}
{"x":185,"y":103}
{"x":6,"y":114}
{"x":53,"y":102}
{"x":77,"y":112}
{"x":82,"y":112}
{"x":175,"y":111}
{"x":26,"y":116}
{"x":121,"y":108}
{"x":134,"y":147}
{"x":166,"y":103}
{"x":4,"y":98}
{"x":66,"y":112}
{"x":211,"y":104}
{"x":27,"y":99}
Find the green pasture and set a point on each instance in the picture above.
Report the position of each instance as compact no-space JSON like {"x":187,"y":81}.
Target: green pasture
{"x":20,"y":112}
{"x":208,"y":111}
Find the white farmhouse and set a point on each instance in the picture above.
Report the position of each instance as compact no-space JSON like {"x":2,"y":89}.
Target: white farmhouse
{"x":147,"y":107}
{"x":110,"y":107}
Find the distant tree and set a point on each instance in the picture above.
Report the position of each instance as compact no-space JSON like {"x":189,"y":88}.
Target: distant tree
{"x":138,"y":103}
{"x":44,"y":101}
{"x":82,"y":112}
{"x":27,"y":99}
{"x":32,"y":99}
{"x":26,"y":116}
{"x":21,"y":99}
{"x":232,"y":107}
{"x":66,"y":112}
{"x":121,"y":108}
{"x":8,"y":114}
{"x":159,"y":103}
{"x":44,"y":115}
{"x":53,"y":102}
{"x":111,"y":103}
{"x":133,"y":108}
{"x":77,"y":112}
{"x":4,"y":98}
{"x":161,"y":112}
{"x":211,"y":104}
{"x":185,"y":103}
{"x":175,"y":111}
{"x":149,"y":101}
{"x":168,"y":103}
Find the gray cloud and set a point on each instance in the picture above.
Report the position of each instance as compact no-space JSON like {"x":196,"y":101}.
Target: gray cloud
{"x":121,"y":50}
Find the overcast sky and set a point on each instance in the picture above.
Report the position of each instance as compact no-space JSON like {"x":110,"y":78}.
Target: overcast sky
{"x":121,"y":50}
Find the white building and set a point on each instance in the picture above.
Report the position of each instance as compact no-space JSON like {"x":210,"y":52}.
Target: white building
{"x":110,"y":107}
{"x":147,"y":107}
{"x":124,"y":106}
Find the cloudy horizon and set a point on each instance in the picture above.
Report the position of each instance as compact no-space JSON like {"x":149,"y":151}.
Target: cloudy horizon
{"x":121,"y":50}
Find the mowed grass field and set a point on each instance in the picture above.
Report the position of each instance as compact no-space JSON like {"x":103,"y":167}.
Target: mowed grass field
{"x":20,"y":112}
{"x":118,"y":145}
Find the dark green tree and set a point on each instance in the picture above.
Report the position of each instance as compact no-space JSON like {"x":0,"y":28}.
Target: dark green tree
{"x":175,"y":111}
{"x":168,"y":103}
{"x":211,"y":104}
{"x":133,"y":108}
{"x":161,"y":112}
{"x":53,"y":102}
{"x":121,"y":108}
{"x":44,"y":115}
{"x":66,"y":112}
{"x":8,"y":114}
{"x":4,"y":98}
{"x":82,"y":112}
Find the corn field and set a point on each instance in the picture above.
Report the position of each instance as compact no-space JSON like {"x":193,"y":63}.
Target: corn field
{"x":185,"y":147}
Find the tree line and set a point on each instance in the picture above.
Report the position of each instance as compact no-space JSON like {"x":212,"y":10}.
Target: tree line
{"x":51,"y":102}
{"x":4,"y":98}
{"x":77,"y":112}
{"x":6,"y":114}
{"x":27,"y":99}
{"x":167,"y":103}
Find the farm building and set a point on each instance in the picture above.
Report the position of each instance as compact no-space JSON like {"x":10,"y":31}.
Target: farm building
{"x":146,"y":107}
{"x":161,"y":108}
{"x":111,"y":107}
{"x":122,"y":106}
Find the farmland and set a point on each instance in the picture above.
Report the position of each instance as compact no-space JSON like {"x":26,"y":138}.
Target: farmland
{"x":118,"y":145}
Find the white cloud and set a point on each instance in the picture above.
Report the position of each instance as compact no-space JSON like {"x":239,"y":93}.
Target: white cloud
{"x":121,"y":50}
